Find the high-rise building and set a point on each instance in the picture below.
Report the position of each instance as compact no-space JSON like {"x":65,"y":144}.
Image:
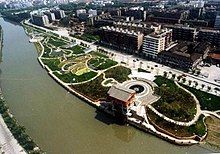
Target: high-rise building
{"x":217,"y":22}
{"x":182,"y":32}
{"x":59,"y":14}
{"x":211,"y":36}
{"x":39,"y":20}
{"x":92,"y":12}
{"x":81,"y":11}
{"x":51,"y":16}
{"x":156,"y":42}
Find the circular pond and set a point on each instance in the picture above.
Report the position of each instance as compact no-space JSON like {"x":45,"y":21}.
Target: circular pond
{"x":138,"y":88}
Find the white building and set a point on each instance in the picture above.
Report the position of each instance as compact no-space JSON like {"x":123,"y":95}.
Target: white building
{"x":217,"y":22}
{"x":81,"y":11}
{"x":92,"y":12}
{"x":156,"y":42}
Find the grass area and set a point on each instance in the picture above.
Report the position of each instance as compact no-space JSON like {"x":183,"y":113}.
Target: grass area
{"x":17,"y":130}
{"x":77,"y":49}
{"x":52,"y":63}
{"x":213,"y":137}
{"x":143,"y":70}
{"x":93,"y":89}
{"x":106,"y":82}
{"x":119,"y":73}
{"x":56,"y":42}
{"x":88,"y":37}
{"x":180,"y":131}
{"x":174,"y":103}
{"x":73,"y":78}
{"x":100,"y":63}
{"x":82,"y":71}
{"x":47,"y":51}
{"x":207,"y":101}
{"x":98,"y":54}
{"x":38,"y":47}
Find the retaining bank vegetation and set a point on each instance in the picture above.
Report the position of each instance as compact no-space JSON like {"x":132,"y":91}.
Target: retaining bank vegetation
{"x":17,"y":130}
{"x":198,"y":129}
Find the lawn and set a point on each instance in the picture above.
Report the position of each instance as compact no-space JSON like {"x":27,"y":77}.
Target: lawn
{"x":100,"y":63}
{"x":143,"y":70}
{"x":174,"y":103}
{"x":38,"y":47}
{"x":52,"y":63}
{"x":213,"y":137}
{"x":73,"y":78}
{"x":119,"y":73}
{"x":47,"y":51}
{"x":207,"y":101}
{"x":88,"y":37}
{"x":77,"y":49}
{"x":181,"y":131}
{"x":93,"y":89}
{"x":98,"y":54}
{"x":56,"y":42}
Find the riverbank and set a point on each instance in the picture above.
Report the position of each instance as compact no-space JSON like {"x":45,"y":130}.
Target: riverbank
{"x":13,"y":137}
{"x":97,"y":104}
{"x":1,"y":42}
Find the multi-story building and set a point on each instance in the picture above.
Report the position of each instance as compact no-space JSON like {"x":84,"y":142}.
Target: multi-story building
{"x":81,"y":11}
{"x":156,"y":42}
{"x":121,"y":39}
{"x":136,"y":12}
{"x":211,"y":36}
{"x":59,"y":14}
{"x":39,"y":20}
{"x":138,"y":26}
{"x":217,"y":22}
{"x":51,"y":16}
{"x":92,"y":12}
{"x":184,"y":33}
{"x":185,"y":55}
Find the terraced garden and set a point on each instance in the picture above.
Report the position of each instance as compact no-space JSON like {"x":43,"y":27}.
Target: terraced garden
{"x":83,"y":72}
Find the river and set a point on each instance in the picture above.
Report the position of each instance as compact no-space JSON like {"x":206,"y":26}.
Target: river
{"x":58,"y":121}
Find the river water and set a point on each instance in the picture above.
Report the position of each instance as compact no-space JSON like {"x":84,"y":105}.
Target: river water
{"x":58,"y":121}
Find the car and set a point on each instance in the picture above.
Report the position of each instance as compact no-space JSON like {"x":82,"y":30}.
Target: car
{"x":134,"y":60}
{"x":137,"y":59}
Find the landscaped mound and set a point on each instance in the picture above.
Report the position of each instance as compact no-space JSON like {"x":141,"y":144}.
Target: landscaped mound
{"x":119,"y":73}
{"x":175,"y":103}
{"x":101,"y":63}
{"x":92,"y":89}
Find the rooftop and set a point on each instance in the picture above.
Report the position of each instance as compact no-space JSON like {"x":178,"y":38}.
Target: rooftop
{"x":121,"y":93}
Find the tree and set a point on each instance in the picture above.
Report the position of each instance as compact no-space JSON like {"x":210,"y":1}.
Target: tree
{"x":184,"y":80}
{"x":202,"y":86}
{"x":190,"y":82}
{"x":173,"y":76}
{"x":165,"y":74}
{"x":196,"y":83}
{"x":178,"y":78}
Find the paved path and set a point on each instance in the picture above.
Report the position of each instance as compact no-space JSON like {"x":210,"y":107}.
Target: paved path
{"x":208,"y":113}
{"x":7,"y":141}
